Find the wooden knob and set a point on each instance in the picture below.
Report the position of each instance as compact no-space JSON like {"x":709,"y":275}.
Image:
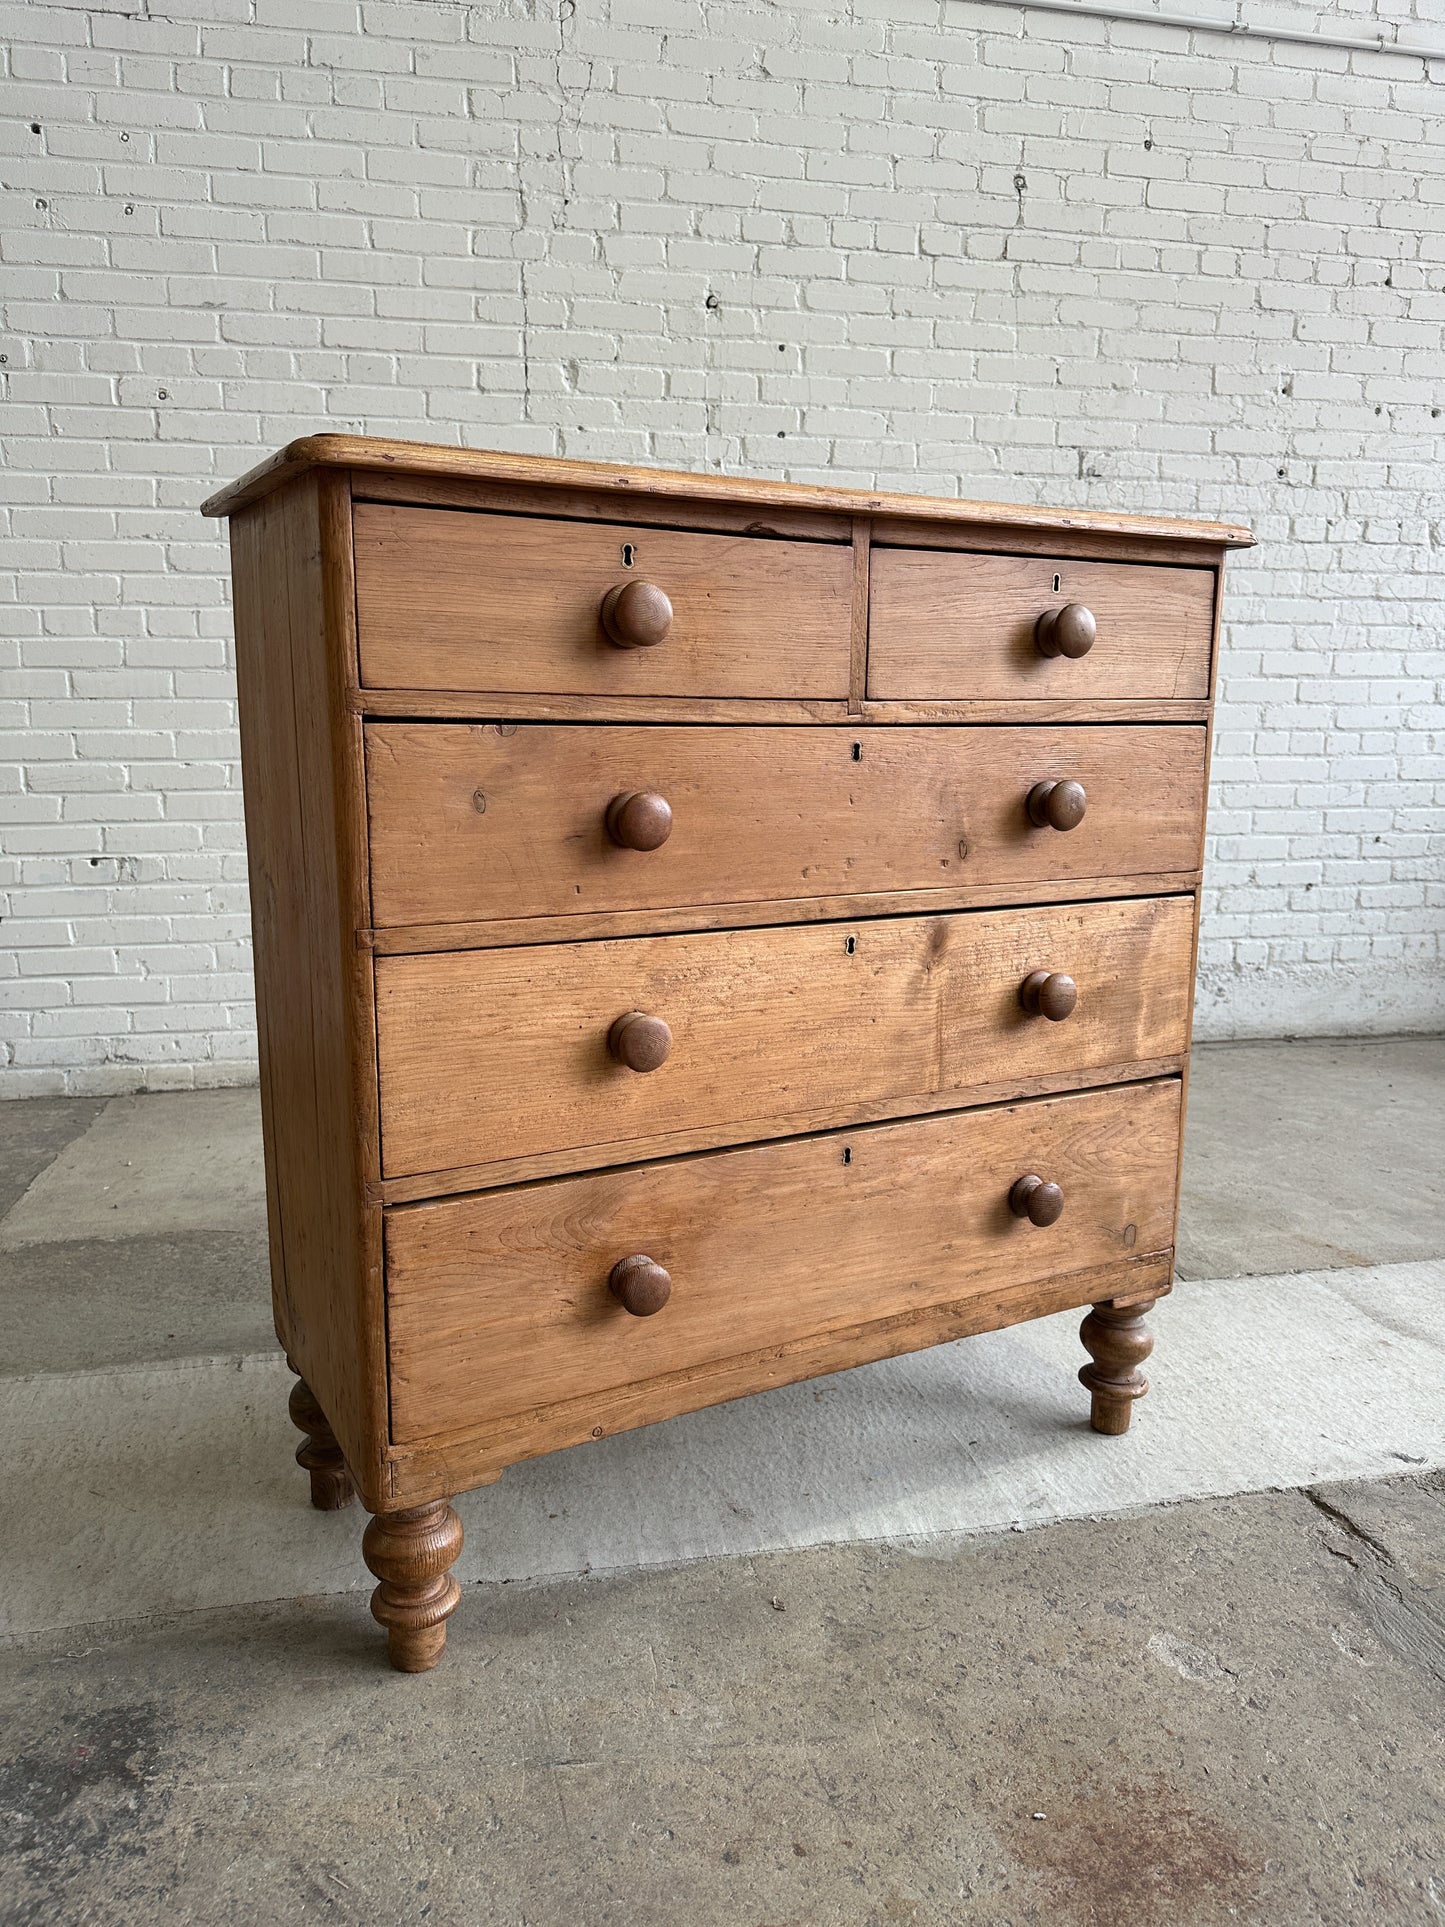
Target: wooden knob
{"x":1056,"y":806}
{"x":1048,"y":993}
{"x":639,"y":820}
{"x":635,"y":615}
{"x":639,"y":1285}
{"x":640,"y":1042}
{"x":1069,"y":631}
{"x":1042,"y":1204}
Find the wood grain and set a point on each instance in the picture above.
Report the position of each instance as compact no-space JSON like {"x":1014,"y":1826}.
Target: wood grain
{"x":722,"y":1134}
{"x":500,"y":1303}
{"x":713,"y":514}
{"x":479,"y":1456}
{"x":465,"y":705}
{"x":305,"y":834}
{"x":404,"y":940}
{"x":1052,"y":709}
{"x":917,"y":531}
{"x":858,"y":660}
{"x":379,"y":455}
{"x":498,"y":602}
{"x":318,"y":1453}
{"x":963,"y":625}
{"x":412,"y":1553}
{"x":843,"y":717}
{"x":788,"y":813}
{"x":504,"y":1053}
{"x":275,"y":864}
{"x":1118,"y":1343}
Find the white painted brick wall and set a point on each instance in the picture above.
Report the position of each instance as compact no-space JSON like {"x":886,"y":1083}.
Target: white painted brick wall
{"x":951,"y":247}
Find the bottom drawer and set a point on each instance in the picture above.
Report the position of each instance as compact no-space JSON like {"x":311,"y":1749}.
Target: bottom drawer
{"x":500,"y":1304}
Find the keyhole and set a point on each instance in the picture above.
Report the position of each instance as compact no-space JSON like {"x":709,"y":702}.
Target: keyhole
{"x":629,"y":555}
{"x":857,"y":752}
{"x":847,"y":1154}
{"x":1057,"y":580}
{"x":851,"y":945}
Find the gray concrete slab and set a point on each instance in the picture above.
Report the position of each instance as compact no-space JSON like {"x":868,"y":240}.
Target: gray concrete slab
{"x":1301,"y":1156}
{"x":33,"y":1133}
{"x":1186,"y":1718}
{"x":172,"y":1486}
{"x":87,"y":1302}
{"x":188,"y":1161}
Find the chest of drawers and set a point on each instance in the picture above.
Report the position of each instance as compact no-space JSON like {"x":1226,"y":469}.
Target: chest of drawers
{"x":708,"y":933}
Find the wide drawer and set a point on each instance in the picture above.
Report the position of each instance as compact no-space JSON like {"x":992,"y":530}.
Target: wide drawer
{"x":504,"y":1053}
{"x":500,"y":1303}
{"x":506,"y":603}
{"x":504,"y":820}
{"x":943,"y":624}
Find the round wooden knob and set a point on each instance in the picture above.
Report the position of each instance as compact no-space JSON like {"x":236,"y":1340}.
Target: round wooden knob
{"x":1042,"y":1204}
{"x":1048,"y":993}
{"x":640,"y":1042}
{"x":639,"y":1285}
{"x":1057,"y":806}
{"x":1069,"y":631}
{"x":635,"y":615}
{"x":639,"y":820}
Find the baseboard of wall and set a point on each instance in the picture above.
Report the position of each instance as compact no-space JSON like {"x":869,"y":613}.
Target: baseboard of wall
{"x":126,"y":1080}
{"x":1321,"y":1000}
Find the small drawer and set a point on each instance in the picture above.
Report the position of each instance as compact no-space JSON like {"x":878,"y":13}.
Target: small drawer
{"x":510,"y":1053}
{"x":503,"y":1303}
{"x":514,"y":604}
{"x":944,"y":624}
{"x":503,"y":821}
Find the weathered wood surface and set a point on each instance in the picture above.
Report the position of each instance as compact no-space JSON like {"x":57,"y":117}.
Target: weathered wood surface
{"x":378,"y":456}
{"x":951,"y":625}
{"x":480,"y":1456}
{"x":498,"y":602}
{"x":844,"y":715}
{"x":465,"y":705}
{"x":412,"y":1552}
{"x":504,"y":1053}
{"x":500,"y":1303}
{"x":410,"y":939}
{"x":494,"y":821}
{"x":305,"y":836}
{"x":722,"y":1133}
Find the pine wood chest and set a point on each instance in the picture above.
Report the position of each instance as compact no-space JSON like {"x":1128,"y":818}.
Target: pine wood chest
{"x":708,"y":933}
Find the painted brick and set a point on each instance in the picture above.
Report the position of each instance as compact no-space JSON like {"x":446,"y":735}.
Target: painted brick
{"x":244,"y":220}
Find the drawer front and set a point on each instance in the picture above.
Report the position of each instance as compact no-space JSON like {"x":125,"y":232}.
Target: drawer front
{"x":499,"y":1304}
{"x":503,"y":1053}
{"x":512,"y":604}
{"x":947,"y":625}
{"x":470,"y":822}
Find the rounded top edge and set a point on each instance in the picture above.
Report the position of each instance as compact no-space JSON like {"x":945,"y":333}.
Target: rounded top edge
{"x":451,"y":462}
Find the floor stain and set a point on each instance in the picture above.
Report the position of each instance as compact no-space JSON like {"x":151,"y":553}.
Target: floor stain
{"x":1136,"y":1855}
{"x":84,"y":1792}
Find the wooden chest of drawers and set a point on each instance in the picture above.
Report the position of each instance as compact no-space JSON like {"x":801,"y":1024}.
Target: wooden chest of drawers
{"x":708,"y":933}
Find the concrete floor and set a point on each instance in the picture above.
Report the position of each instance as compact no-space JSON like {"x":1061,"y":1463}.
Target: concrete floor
{"x":1200,"y":1709}
{"x":1229,"y":1712}
{"x":132,"y":1230}
{"x":1302,"y":1156}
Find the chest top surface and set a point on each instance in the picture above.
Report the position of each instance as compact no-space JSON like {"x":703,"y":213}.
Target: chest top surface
{"x":377,"y":456}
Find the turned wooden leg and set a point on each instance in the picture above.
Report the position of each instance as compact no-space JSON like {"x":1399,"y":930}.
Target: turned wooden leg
{"x":410,"y":1553}
{"x":331,"y":1486}
{"x":1119,"y":1341}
